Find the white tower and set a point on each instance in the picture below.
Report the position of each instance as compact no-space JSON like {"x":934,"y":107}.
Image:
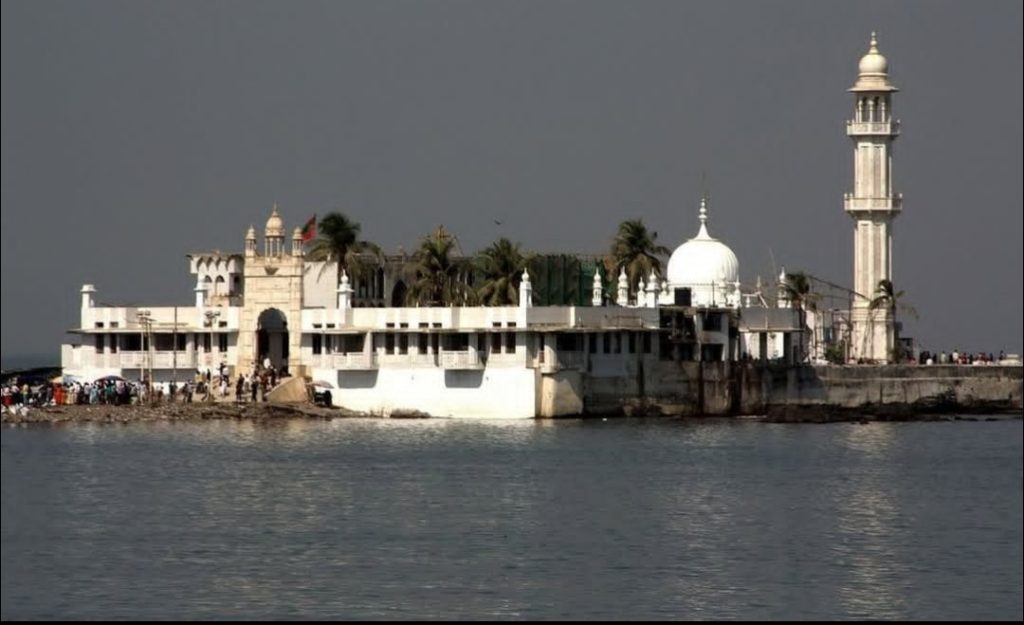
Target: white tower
{"x":872,"y":205}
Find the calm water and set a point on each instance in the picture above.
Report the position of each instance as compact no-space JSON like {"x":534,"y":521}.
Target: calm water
{"x":452,"y":519}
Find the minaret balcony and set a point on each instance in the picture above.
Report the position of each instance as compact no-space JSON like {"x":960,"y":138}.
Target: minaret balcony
{"x":870,"y":204}
{"x":860,"y":129}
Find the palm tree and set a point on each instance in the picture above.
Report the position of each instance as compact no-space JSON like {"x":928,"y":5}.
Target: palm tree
{"x":797,"y":289}
{"x":338,"y":240}
{"x":889,"y":299}
{"x":434,"y":275}
{"x":635,"y":248}
{"x":501,"y":267}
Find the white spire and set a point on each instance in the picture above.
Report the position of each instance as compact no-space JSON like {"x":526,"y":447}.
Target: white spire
{"x":597,"y":295}
{"x":525,"y":291}
{"x":622,"y":298}
{"x":703,"y":216}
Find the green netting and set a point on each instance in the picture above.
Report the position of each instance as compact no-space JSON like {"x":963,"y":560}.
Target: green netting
{"x":564,"y":279}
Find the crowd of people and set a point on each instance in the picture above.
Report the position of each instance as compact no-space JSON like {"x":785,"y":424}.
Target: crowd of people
{"x":956,"y":357}
{"x":20,"y":395}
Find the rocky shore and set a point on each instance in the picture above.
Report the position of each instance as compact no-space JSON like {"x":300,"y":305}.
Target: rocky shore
{"x":176,"y":412}
{"x":279,"y":410}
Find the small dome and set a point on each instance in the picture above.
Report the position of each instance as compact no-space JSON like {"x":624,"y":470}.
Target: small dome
{"x":250,"y":234}
{"x":705,"y":265}
{"x":873,"y":63}
{"x":275,"y":225}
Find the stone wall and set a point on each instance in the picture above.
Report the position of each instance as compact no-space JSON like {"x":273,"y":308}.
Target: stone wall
{"x":650,"y":386}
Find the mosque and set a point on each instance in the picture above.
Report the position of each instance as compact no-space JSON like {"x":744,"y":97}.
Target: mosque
{"x":270,"y":304}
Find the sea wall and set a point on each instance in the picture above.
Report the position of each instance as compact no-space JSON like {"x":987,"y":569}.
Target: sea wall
{"x":888,"y":389}
{"x":649,"y":386}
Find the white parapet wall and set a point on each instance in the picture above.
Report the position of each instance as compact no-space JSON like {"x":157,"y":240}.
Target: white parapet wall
{"x":486,"y":393}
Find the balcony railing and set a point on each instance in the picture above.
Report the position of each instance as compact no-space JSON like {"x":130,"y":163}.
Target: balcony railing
{"x":873,"y":203}
{"x":872,"y":128}
{"x":356,"y":360}
{"x":155,"y":360}
{"x":461,"y":360}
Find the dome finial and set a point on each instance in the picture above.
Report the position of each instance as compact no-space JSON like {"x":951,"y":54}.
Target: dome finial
{"x":703,"y":216}
{"x":874,"y":43}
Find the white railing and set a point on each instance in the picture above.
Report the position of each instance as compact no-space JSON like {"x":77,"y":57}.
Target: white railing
{"x":156,"y":360}
{"x":355,"y":360}
{"x":872,"y":128}
{"x":460,"y":360}
{"x":869,"y":203}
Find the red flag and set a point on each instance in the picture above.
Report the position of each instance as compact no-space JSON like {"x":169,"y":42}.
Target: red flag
{"x":309,"y":230}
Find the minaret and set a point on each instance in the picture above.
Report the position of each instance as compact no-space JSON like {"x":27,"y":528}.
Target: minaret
{"x":872,"y":205}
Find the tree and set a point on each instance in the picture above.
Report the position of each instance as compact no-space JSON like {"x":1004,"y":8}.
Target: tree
{"x":797,"y":289}
{"x":501,"y":267}
{"x":338,"y":240}
{"x":435,"y":276}
{"x":635,"y":249}
{"x":889,"y":299}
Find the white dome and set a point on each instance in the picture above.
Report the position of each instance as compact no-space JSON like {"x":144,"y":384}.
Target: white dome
{"x":275,"y":225}
{"x":706,"y":266}
{"x":873,"y":63}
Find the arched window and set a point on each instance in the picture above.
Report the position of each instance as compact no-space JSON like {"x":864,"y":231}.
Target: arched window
{"x":220,"y":286}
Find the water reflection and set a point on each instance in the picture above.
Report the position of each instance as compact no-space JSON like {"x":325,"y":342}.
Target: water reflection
{"x":374,"y":518}
{"x":868,"y":540}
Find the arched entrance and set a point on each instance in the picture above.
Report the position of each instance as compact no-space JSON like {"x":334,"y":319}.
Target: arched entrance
{"x":272,"y":339}
{"x":398,"y":294}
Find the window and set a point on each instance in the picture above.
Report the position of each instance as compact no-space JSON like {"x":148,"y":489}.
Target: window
{"x":711,"y":353}
{"x":510,"y":342}
{"x":403,"y":343}
{"x":328,"y":343}
{"x":100,"y":342}
{"x":457,"y":342}
{"x":207,"y":338}
{"x":222,"y":342}
{"x":163,"y":342}
{"x":351,"y":343}
{"x":565,"y":342}
{"x":712,"y":322}
{"x":222,"y":324}
{"x":114,"y":324}
{"x":317,"y":344}
{"x":632,"y":342}
{"x":496,"y":343}
{"x":389,"y":342}
{"x":618,"y":343}
{"x":607,"y":342}
{"x":182,"y":342}
{"x":647,"y":342}
{"x":113,"y":343}
{"x":592,"y":339}
{"x":421,"y":343}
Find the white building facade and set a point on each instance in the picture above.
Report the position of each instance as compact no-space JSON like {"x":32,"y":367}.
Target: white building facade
{"x":270,"y":305}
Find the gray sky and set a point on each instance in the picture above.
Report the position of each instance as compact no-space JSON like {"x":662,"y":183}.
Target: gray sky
{"x":135,"y":132}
